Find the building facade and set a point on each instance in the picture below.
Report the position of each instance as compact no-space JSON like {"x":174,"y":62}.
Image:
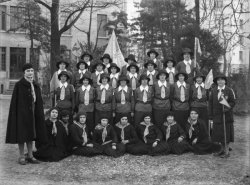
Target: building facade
{"x":15,"y":47}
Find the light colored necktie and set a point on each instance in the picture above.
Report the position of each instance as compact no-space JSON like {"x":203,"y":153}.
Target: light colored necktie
{"x":62,"y":94}
{"x":182,"y":94}
{"x":54,"y":129}
{"x":144,"y":97}
{"x":103,"y":96}
{"x":199,"y":93}
{"x":33,"y":92}
{"x":123,"y":100}
{"x":104,"y":134}
{"x":122,"y":134}
{"x":219,"y":94}
{"x":171,"y":77}
{"x":188,"y":68}
{"x":146,"y":132}
{"x":162,"y":91}
{"x":86,"y":97}
{"x":114,"y":82}
{"x":190,"y":132}
{"x":133,"y":83}
{"x":151,"y":79}
{"x":84,"y":136}
{"x":98,"y":78}
{"x":81,"y":74}
{"x":168,"y":132}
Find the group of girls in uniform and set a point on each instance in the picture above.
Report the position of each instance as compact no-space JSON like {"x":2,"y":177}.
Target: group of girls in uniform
{"x":102,"y":109}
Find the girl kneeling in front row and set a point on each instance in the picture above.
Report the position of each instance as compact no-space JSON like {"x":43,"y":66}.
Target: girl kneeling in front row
{"x":104,"y":135}
{"x":79,"y":136}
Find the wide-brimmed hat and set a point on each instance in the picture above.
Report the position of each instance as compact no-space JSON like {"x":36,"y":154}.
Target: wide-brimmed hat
{"x":106,"y":55}
{"x":199,"y":74}
{"x":133,"y":65}
{"x":169,"y":59}
{"x":143,"y":77}
{"x":183,"y":73}
{"x":64,"y":113}
{"x":62,"y":61}
{"x":123,"y":78}
{"x":104,"y":75}
{"x":27,"y":66}
{"x":152,"y":51}
{"x":64,"y":73}
{"x":82,"y":62}
{"x":86,"y":76}
{"x":99,"y":63}
{"x":220,"y":76}
{"x":162,"y":72}
{"x":130,"y":57}
{"x":187,"y":50}
{"x":150,"y":62}
{"x":115,"y":66}
{"x":87,"y":54}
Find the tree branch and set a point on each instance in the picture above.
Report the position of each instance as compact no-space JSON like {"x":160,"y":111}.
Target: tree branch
{"x":43,"y":3}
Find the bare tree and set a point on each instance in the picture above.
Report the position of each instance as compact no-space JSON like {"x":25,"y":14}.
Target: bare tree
{"x":75,"y":9}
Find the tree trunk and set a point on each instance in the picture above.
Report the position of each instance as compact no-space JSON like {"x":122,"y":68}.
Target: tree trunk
{"x":225,"y":64}
{"x":55,"y":36}
{"x":197,"y":17}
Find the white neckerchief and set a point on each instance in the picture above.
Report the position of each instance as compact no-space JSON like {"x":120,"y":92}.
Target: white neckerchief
{"x":107,"y":66}
{"x":179,"y":84}
{"x":88,"y":63}
{"x":82,"y":71}
{"x":119,"y":125}
{"x":155,"y":60}
{"x":152,"y":73}
{"x":132,"y":75}
{"x":161,"y":84}
{"x":99,"y":73}
{"x":59,"y":71}
{"x":84,"y":87}
{"x":221,"y":88}
{"x":191,"y":129}
{"x":170,"y":70}
{"x":188,"y":62}
{"x":104,"y":86}
{"x":61,"y":84}
{"x":123,"y":88}
{"x":116,"y":75}
{"x":144,"y":88}
{"x":197,"y":85}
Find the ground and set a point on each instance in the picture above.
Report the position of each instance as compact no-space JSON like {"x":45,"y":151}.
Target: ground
{"x":174,"y":170}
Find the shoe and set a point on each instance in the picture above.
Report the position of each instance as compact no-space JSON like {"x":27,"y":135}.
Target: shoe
{"x":32,"y":160}
{"x":219,"y":153}
{"x":22,"y":161}
{"x":225,"y":155}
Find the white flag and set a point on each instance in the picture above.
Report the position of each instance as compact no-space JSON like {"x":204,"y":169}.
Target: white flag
{"x":209,"y":79}
{"x":114,"y":51}
{"x":197,"y":51}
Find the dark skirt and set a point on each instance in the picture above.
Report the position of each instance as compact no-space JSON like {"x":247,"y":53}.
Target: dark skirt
{"x":206,"y":147}
{"x":181,"y":117}
{"x":101,"y":114}
{"x":179,"y":148}
{"x":159,"y":116}
{"x":162,"y":148}
{"x":88,"y":151}
{"x":90,"y":121}
{"x":50,"y":153}
{"x":120,"y":150}
{"x":218,"y":132}
{"x":137,"y":149}
{"x":139,"y":116}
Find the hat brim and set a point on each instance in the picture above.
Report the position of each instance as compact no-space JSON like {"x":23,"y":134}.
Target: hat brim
{"x":82,"y":62}
{"x":67,"y":75}
{"x":100,"y":81}
{"x":136,"y":67}
{"x":83,"y":78}
{"x":202,"y":76}
{"x":110,"y":59}
{"x":103,"y":66}
{"x":166,"y":63}
{"x":123,"y":79}
{"x":220,"y":77}
{"x":190,"y":52}
{"x":146,"y":64}
{"x":144,"y":78}
{"x":160,"y":73}
{"x":126,"y":60}
{"x":185,"y":76}
{"x":87,"y":54}
{"x":58,"y":63}
{"x":155,"y":52}
{"x":117,"y":69}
